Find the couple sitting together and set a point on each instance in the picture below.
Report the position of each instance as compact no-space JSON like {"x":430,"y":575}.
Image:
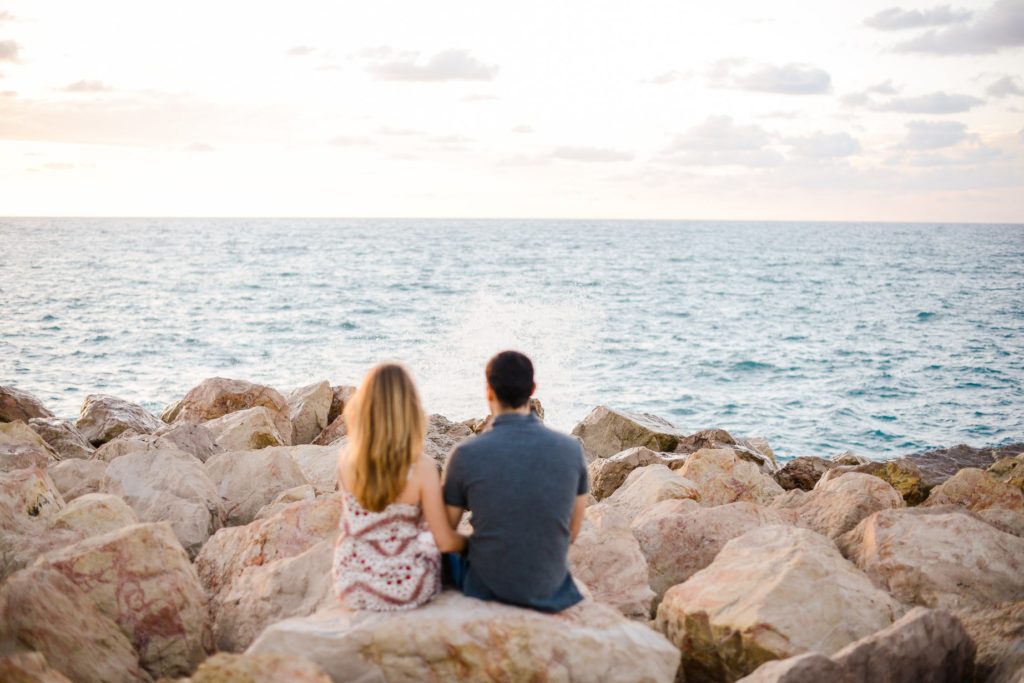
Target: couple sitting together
{"x":524,"y":484}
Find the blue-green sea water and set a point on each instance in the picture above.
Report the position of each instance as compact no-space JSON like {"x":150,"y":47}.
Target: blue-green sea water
{"x":882,"y":338}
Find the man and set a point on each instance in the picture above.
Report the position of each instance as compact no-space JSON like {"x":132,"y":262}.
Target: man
{"x":526,"y":486}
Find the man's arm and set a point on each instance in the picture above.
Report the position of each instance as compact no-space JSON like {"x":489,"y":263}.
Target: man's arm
{"x":579,"y":508}
{"x":454,"y":491}
{"x":454,"y":515}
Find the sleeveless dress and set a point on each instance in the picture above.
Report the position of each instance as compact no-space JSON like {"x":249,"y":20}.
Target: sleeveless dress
{"x":385,"y":561}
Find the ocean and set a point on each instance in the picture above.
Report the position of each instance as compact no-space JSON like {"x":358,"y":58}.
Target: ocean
{"x":822,"y":337}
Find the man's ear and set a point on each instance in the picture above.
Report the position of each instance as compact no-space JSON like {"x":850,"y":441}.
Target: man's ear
{"x":490,"y":393}
{"x":533,"y":389}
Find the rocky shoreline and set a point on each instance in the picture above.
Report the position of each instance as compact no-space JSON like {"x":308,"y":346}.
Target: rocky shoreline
{"x":197,"y":546}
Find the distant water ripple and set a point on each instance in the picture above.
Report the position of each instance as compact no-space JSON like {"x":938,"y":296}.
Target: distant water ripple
{"x":884,"y":338}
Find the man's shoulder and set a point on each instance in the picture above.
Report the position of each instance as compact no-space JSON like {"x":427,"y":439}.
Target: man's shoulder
{"x":539,"y":435}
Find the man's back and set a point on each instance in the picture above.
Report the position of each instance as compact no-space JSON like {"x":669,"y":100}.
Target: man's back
{"x":520,"y":480}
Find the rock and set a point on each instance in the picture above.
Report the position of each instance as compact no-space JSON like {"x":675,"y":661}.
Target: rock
{"x":216,"y":397}
{"x":104,"y":417}
{"x":706,"y":438}
{"x":28,"y":667}
{"x":605,"y":432}
{"x":976,"y":490}
{"x":29,"y":500}
{"x":244,"y":430}
{"x":16,"y":405}
{"x":74,"y":478}
{"x":837,"y":505}
{"x":442,"y":436}
{"x":902,"y":474}
{"x":285,"y":498}
{"x":679,"y":540}
{"x":319,"y":464}
{"x":332,"y":433}
{"x":767,"y":595}
{"x":849,"y":458}
{"x":924,"y":645}
{"x":20,"y":447}
{"x":803,"y":472}
{"x":478,"y":425}
{"x":1010,"y":521}
{"x":723,"y":477}
{"x":292,"y":531}
{"x":608,"y":474}
{"x":248,"y":480}
{"x":648,"y":485}
{"x":264,"y":668}
{"x":62,"y":437}
{"x":607,"y":559}
{"x":289,"y":587}
{"x":170,"y":486}
{"x":140,"y":578}
{"x":130,"y":442}
{"x":809,"y":667}
{"x":937,"y":558}
{"x":1009,"y":470}
{"x":939,"y":465}
{"x":43,"y":610}
{"x":94,"y":514}
{"x":340,"y":397}
{"x":458,"y":638}
{"x":998,"y":633}
{"x":194,"y":439}
{"x":308,"y":408}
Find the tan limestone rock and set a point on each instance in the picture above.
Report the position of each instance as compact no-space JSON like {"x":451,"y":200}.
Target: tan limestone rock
{"x":248,"y":480}
{"x":1009,"y":470}
{"x":648,"y":485}
{"x":21,"y":447}
{"x":937,"y":558}
{"x":76,"y":477}
{"x":769,"y":594}
{"x":442,"y":436}
{"x":724,"y":477}
{"x":606,"y":431}
{"x":20,"y":405}
{"x":976,"y":490}
{"x":104,"y":417}
{"x":62,"y":437}
{"x":94,"y":514}
{"x":319,"y":464}
{"x":216,"y":397}
{"x":332,"y":433}
{"x":28,"y":667}
{"x":998,"y":633}
{"x":286,"y":498}
{"x":458,"y":638}
{"x":244,"y":430}
{"x":802,"y":472}
{"x":608,"y":474}
{"x":308,"y":408}
{"x":264,"y":668}
{"x":341,"y":395}
{"x":837,"y":505}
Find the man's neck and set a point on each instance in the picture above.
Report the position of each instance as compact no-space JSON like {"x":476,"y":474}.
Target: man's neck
{"x":505,"y":410}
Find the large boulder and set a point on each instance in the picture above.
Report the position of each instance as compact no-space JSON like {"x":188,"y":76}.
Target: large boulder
{"x":29,"y":500}
{"x":1009,"y":470}
{"x":140,"y":577}
{"x":802,"y":472}
{"x":263,"y":668}
{"x":94,"y":514}
{"x":837,"y":505}
{"x":293,"y":530}
{"x":62,"y":437}
{"x":76,"y":477}
{"x":20,"y":405}
{"x":442,"y":436}
{"x":21,"y":447}
{"x":332,"y":433}
{"x":939,"y":465}
{"x":608,"y":474}
{"x":810,"y":667}
{"x":724,"y":477}
{"x":766,"y":596}
{"x":341,"y":395}
{"x":104,"y":417}
{"x":216,"y":397}
{"x":43,"y":610}
{"x":244,"y":430}
{"x":130,"y":442}
{"x":28,"y":667}
{"x":194,"y":439}
{"x":678,"y":539}
{"x":248,"y":480}
{"x":308,"y":408}
{"x":998,"y":633}
{"x":606,"y":431}
{"x":171,"y":486}
{"x":648,"y":485}
{"x":1010,"y":521}
{"x":902,"y":474}
{"x":938,"y":558}
{"x":607,"y":559}
{"x":976,"y":490}
{"x":286,"y":498}
{"x":458,"y":638}
{"x":319,"y":464}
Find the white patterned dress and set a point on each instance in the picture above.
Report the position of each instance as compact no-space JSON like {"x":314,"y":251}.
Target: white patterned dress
{"x":385,"y":561}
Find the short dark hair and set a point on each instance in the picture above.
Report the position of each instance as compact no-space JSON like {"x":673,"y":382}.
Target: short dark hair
{"x":510,"y":376}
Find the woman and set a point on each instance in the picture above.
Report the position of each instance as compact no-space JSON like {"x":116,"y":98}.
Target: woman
{"x":385,"y":560}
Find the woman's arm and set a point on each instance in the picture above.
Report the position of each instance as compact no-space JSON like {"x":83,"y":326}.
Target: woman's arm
{"x":433,"y":508}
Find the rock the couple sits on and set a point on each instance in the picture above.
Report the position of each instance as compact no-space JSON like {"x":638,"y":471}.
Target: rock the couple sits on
{"x":524,"y":484}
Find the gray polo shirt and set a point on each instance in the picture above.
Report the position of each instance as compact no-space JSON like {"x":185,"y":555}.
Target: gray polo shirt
{"x":520,"y":481}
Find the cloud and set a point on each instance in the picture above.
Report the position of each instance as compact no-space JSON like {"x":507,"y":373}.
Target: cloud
{"x":9,"y":51}
{"x":450,"y":65}
{"x":590,"y":154}
{"x":667,"y":77}
{"x":199,"y":147}
{"x":719,"y":141}
{"x":863,"y":98}
{"x":55,"y":166}
{"x":999,"y":27}
{"x":87,"y":86}
{"x":1007,"y":85}
{"x":349,"y":141}
{"x":479,"y":97}
{"x":788,"y":79}
{"x":403,"y":132}
{"x":979,"y":155}
{"x":934,"y":134}
{"x":821,"y":145}
{"x":933,"y":103}
{"x":884,"y":88}
{"x":522,"y":129}
{"x":300,"y":51}
{"x":897,"y":18}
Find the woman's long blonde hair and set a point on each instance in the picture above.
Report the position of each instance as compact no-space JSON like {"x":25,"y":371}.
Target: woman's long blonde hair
{"x":386,"y":426}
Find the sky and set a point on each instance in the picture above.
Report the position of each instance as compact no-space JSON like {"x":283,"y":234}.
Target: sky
{"x":728,"y":110}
